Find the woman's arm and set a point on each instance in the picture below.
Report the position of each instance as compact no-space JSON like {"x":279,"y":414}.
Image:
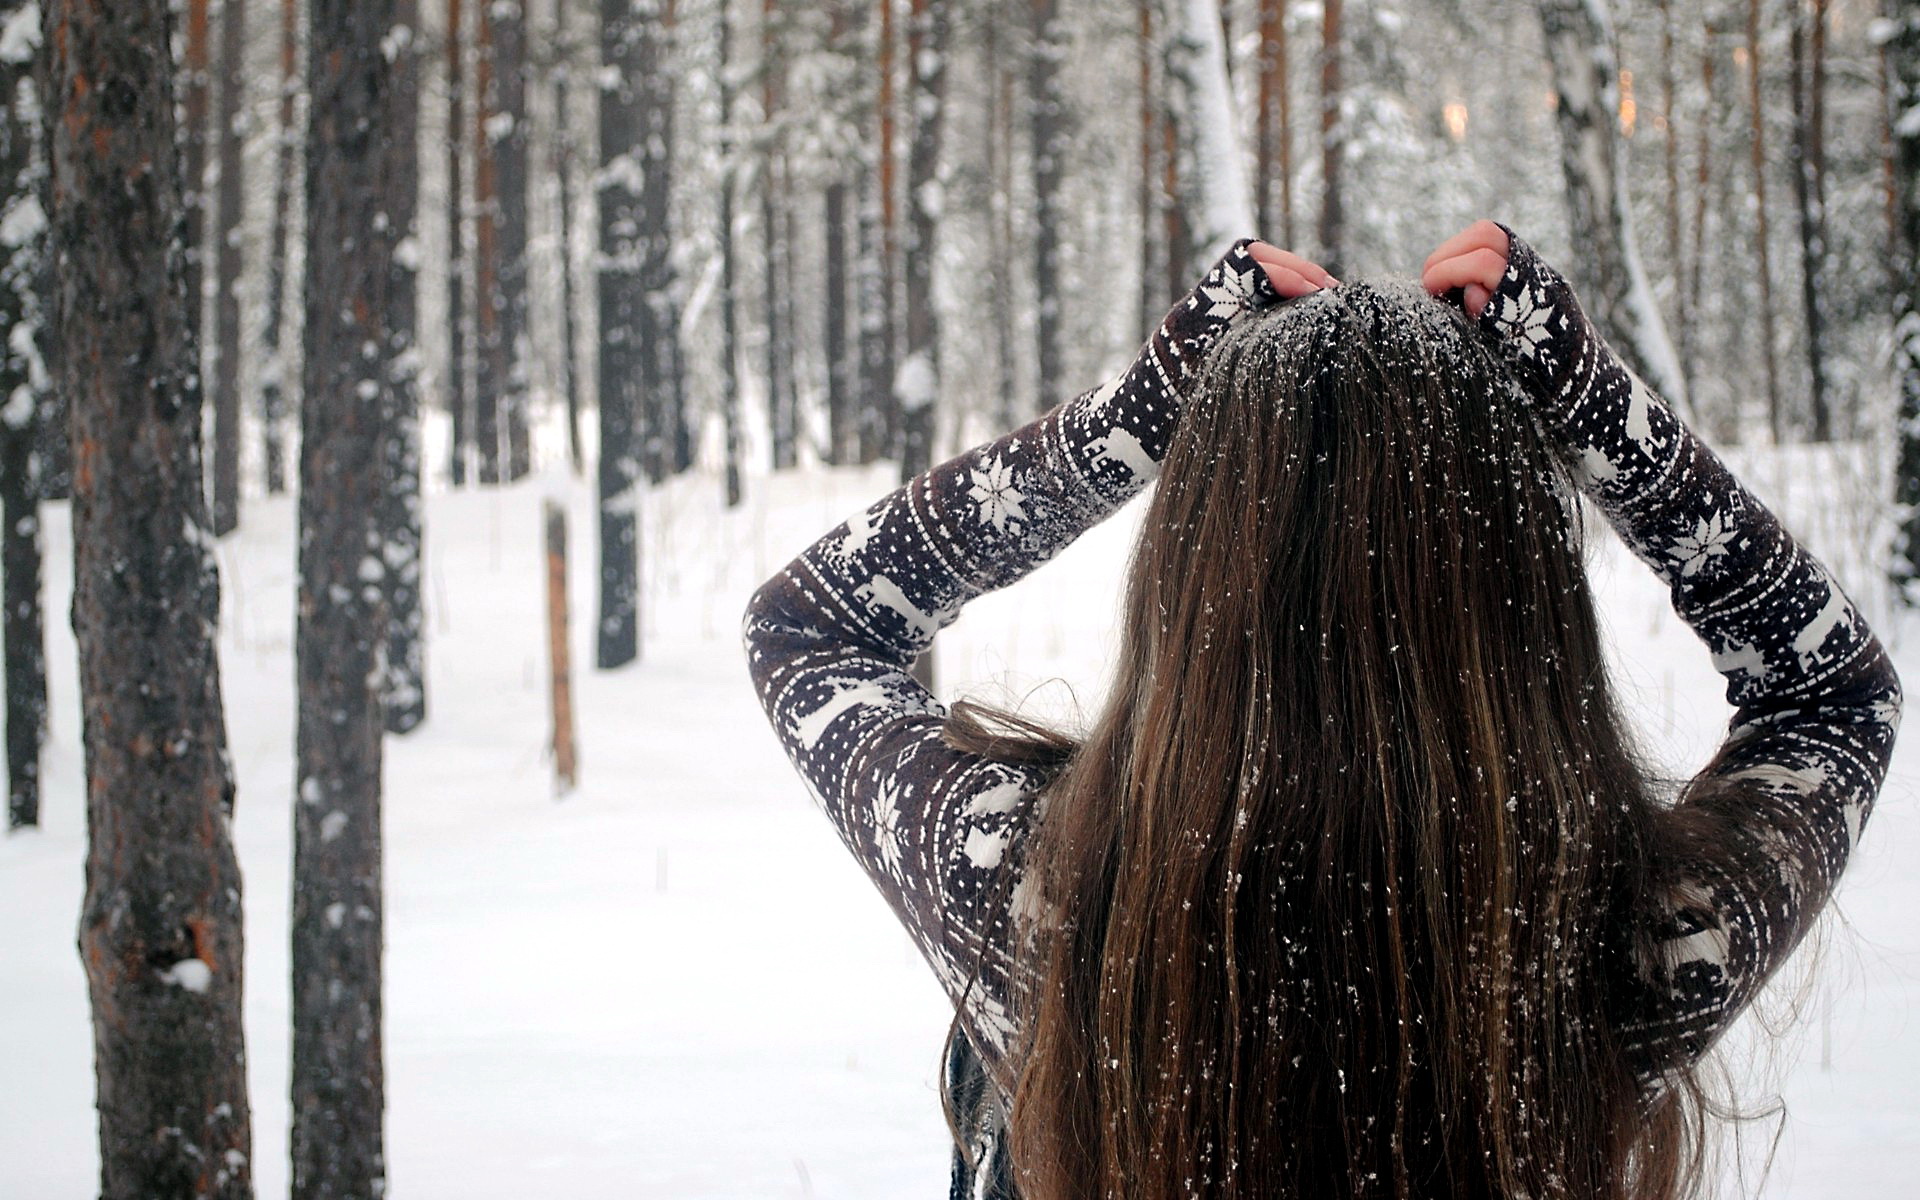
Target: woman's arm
{"x":1756,"y":843}
{"x":831,"y":636}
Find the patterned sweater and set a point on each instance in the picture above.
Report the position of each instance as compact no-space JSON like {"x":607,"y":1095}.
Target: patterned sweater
{"x":830,"y":639}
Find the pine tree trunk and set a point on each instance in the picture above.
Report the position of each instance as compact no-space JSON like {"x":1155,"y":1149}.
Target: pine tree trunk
{"x":1048,"y":116}
{"x":273,"y":400}
{"x":503,"y":346}
{"x":404,"y":686}
{"x":460,"y":398}
{"x":338,"y":1073}
{"x":1611,"y":282}
{"x":195,"y":72}
{"x":23,"y":382}
{"x":630,"y":102}
{"x":729,"y":307}
{"x":782,"y":409}
{"x":842,"y":428}
{"x":891,"y":417}
{"x":226,"y":272}
{"x":160,"y":924}
{"x":873,"y":269}
{"x":1333,"y":145}
{"x":1000,"y":73}
{"x":1763,"y":254}
{"x":918,"y":385}
{"x":1809,"y":201}
{"x":1902,"y":48}
{"x":1670,"y":159}
{"x":563,"y":172}
{"x":489,"y":371}
{"x":1146,"y":197}
{"x":664,"y":291}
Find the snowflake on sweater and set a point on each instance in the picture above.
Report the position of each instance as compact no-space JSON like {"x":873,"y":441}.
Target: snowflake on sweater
{"x":1711,"y":536}
{"x":994,"y":492}
{"x":886,"y":823}
{"x":1232,"y":295}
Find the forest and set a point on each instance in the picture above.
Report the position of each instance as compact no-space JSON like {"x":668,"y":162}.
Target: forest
{"x":400,"y":398}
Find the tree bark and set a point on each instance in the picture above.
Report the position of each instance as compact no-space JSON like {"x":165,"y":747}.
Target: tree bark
{"x":634,"y":323}
{"x":1809,"y":195}
{"x":226,"y":271}
{"x":1000,"y":107}
{"x":1275,"y":124}
{"x":1333,"y":145}
{"x":1608,"y":273}
{"x":273,"y":401}
{"x":461,"y":399}
{"x":1216,"y":196}
{"x":1763,"y":254}
{"x":783,"y":415}
{"x":501,"y":378}
{"x":195,"y":72}
{"x":562,"y":52}
{"x":404,"y":684}
{"x":1670,"y":160}
{"x":338,"y":1072}
{"x":23,"y":382}
{"x":873,"y":274}
{"x":1147,"y":190}
{"x":729,"y":308}
{"x":1902,"y":49}
{"x":1048,"y":117}
{"x":918,"y":384}
{"x":160,"y":924}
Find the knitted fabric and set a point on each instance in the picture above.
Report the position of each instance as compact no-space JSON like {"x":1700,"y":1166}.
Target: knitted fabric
{"x":831,"y":637}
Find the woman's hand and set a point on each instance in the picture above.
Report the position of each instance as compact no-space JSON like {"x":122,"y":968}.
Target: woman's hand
{"x":1290,"y":274}
{"x":1473,"y":260}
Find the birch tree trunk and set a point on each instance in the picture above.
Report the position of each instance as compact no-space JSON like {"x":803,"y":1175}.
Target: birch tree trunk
{"x":23,"y":383}
{"x":1608,"y":274}
{"x":1902,"y":48}
{"x":338,"y":1070}
{"x":160,"y":923}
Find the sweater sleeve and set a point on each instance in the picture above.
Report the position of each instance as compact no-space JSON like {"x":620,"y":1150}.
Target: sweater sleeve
{"x":830,"y":638}
{"x":1754,"y":846}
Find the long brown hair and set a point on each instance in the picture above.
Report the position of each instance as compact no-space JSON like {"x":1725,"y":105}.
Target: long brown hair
{"x":1338,"y":878}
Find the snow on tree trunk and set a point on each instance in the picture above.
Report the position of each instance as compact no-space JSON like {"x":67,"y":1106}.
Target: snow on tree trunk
{"x":1215,"y":194}
{"x":1048,"y":119}
{"x":23,"y":405}
{"x":917,"y":384}
{"x":632,"y":184}
{"x":230,"y":121}
{"x":160,"y":923}
{"x":1608,"y":273}
{"x":338,"y":1074}
{"x":404,"y":684}
{"x":273,"y":400}
{"x":1902,"y":45}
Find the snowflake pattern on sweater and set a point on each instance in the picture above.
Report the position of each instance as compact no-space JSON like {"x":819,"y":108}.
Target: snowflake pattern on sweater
{"x":831,"y":637}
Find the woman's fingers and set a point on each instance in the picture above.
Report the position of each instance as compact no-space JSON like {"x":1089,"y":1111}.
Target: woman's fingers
{"x":1289,"y":282}
{"x":1480,"y":266}
{"x":1482,"y":234}
{"x":1275,"y":259}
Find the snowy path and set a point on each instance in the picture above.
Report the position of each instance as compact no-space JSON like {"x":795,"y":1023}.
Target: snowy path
{"x":674,"y":982}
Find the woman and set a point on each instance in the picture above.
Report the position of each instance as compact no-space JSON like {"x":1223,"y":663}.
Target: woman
{"x":1355,"y":886}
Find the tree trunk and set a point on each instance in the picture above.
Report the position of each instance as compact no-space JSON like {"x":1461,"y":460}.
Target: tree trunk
{"x":1275,"y":125}
{"x":226,"y":272}
{"x":1809,"y":84}
{"x":1048,"y":115}
{"x":842,"y":428}
{"x":461,"y":399}
{"x":195,"y":72}
{"x":488,"y":374}
{"x":160,"y":924}
{"x":1608,"y":274}
{"x":918,"y":384}
{"x":273,"y":400}
{"x":1333,"y":143}
{"x":1000,"y":105}
{"x":1146,"y":197}
{"x":633,"y":243}
{"x":783,"y":415}
{"x":562,"y":53}
{"x":23,"y":381}
{"x":1702,"y":183}
{"x":1763,"y":256}
{"x":873,"y":270}
{"x":729,"y":308}
{"x":404,"y":686}
{"x":1902,"y":48}
{"x":501,"y":193}
{"x":1217,"y":198}
{"x":338,"y":1074}
{"x":1670,"y":159}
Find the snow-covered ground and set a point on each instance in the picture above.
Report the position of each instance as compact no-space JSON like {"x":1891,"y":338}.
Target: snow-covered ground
{"x":674,"y":982}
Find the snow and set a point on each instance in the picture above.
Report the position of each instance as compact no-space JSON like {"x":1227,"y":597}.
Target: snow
{"x":566,"y":1016}
{"x":189,"y":973}
{"x":1225,"y":196}
{"x":21,"y":35}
